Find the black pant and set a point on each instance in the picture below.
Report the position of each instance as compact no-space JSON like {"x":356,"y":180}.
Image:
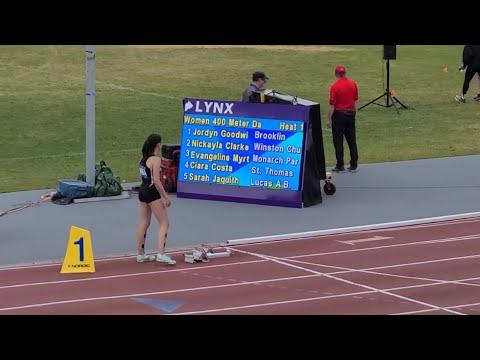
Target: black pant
{"x":344,"y":125}
{"x":469,"y":74}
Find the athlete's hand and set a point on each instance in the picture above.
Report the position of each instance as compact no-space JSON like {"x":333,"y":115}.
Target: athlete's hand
{"x":167,"y":202}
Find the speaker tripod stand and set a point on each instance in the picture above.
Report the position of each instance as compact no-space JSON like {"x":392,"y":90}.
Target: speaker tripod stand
{"x":390,"y":99}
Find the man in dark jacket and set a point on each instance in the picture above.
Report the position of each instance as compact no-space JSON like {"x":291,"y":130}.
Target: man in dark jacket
{"x":471,"y":62}
{"x":258,"y":80}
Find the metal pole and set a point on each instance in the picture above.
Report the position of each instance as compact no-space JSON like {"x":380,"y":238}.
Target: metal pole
{"x":90,"y":114}
{"x":388,"y":82}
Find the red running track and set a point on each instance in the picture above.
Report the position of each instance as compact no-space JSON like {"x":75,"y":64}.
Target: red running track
{"x":420,"y":269}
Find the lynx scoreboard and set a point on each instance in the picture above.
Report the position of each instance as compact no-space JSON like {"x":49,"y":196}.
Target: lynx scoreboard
{"x":243,"y":152}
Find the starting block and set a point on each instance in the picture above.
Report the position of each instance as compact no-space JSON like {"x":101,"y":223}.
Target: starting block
{"x":204,"y":254}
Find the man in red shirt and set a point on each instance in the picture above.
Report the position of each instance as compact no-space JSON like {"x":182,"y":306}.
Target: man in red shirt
{"x":341,"y":117}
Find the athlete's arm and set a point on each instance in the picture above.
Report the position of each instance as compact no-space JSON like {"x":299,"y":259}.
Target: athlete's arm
{"x":156,"y":171}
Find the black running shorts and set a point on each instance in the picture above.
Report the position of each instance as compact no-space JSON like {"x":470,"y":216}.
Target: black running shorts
{"x":148,"y":194}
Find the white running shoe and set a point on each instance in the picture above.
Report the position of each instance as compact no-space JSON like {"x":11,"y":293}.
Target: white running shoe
{"x":163,"y":258}
{"x":143,"y":258}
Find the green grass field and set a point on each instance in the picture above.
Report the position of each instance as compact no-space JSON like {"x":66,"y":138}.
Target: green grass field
{"x":139,"y":91}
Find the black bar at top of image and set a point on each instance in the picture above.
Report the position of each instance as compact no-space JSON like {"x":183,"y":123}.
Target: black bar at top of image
{"x":276,"y":23}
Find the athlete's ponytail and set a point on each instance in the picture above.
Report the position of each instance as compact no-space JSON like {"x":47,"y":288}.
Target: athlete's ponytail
{"x":148,"y":148}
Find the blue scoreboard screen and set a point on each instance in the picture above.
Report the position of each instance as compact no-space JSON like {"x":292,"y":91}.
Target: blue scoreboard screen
{"x":242,"y":152}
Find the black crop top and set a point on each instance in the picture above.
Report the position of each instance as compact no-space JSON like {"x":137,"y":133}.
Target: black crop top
{"x":145,"y":172}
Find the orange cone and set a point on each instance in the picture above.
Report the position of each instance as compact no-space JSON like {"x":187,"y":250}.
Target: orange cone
{"x":393,"y":92}
{"x":445,"y":69}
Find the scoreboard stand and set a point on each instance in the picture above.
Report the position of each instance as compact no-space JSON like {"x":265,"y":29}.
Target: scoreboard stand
{"x":267,"y":152}
{"x":316,"y":156}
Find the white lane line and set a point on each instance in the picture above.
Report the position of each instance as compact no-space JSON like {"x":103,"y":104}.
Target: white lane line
{"x":414,"y":312}
{"x":124,"y":275}
{"x":427,"y":310}
{"x":325,"y":297}
{"x":368,"y":271}
{"x":425,"y":242}
{"x":107,"y":258}
{"x":242,"y":263}
{"x":62,"y":302}
{"x":280,"y":261}
{"x":124,"y":257}
{"x":439,"y":221}
{"x":223,"y":286}
{"x":373,"y":238}
{"x":474,"y":256}
{"x":271,"y":303}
